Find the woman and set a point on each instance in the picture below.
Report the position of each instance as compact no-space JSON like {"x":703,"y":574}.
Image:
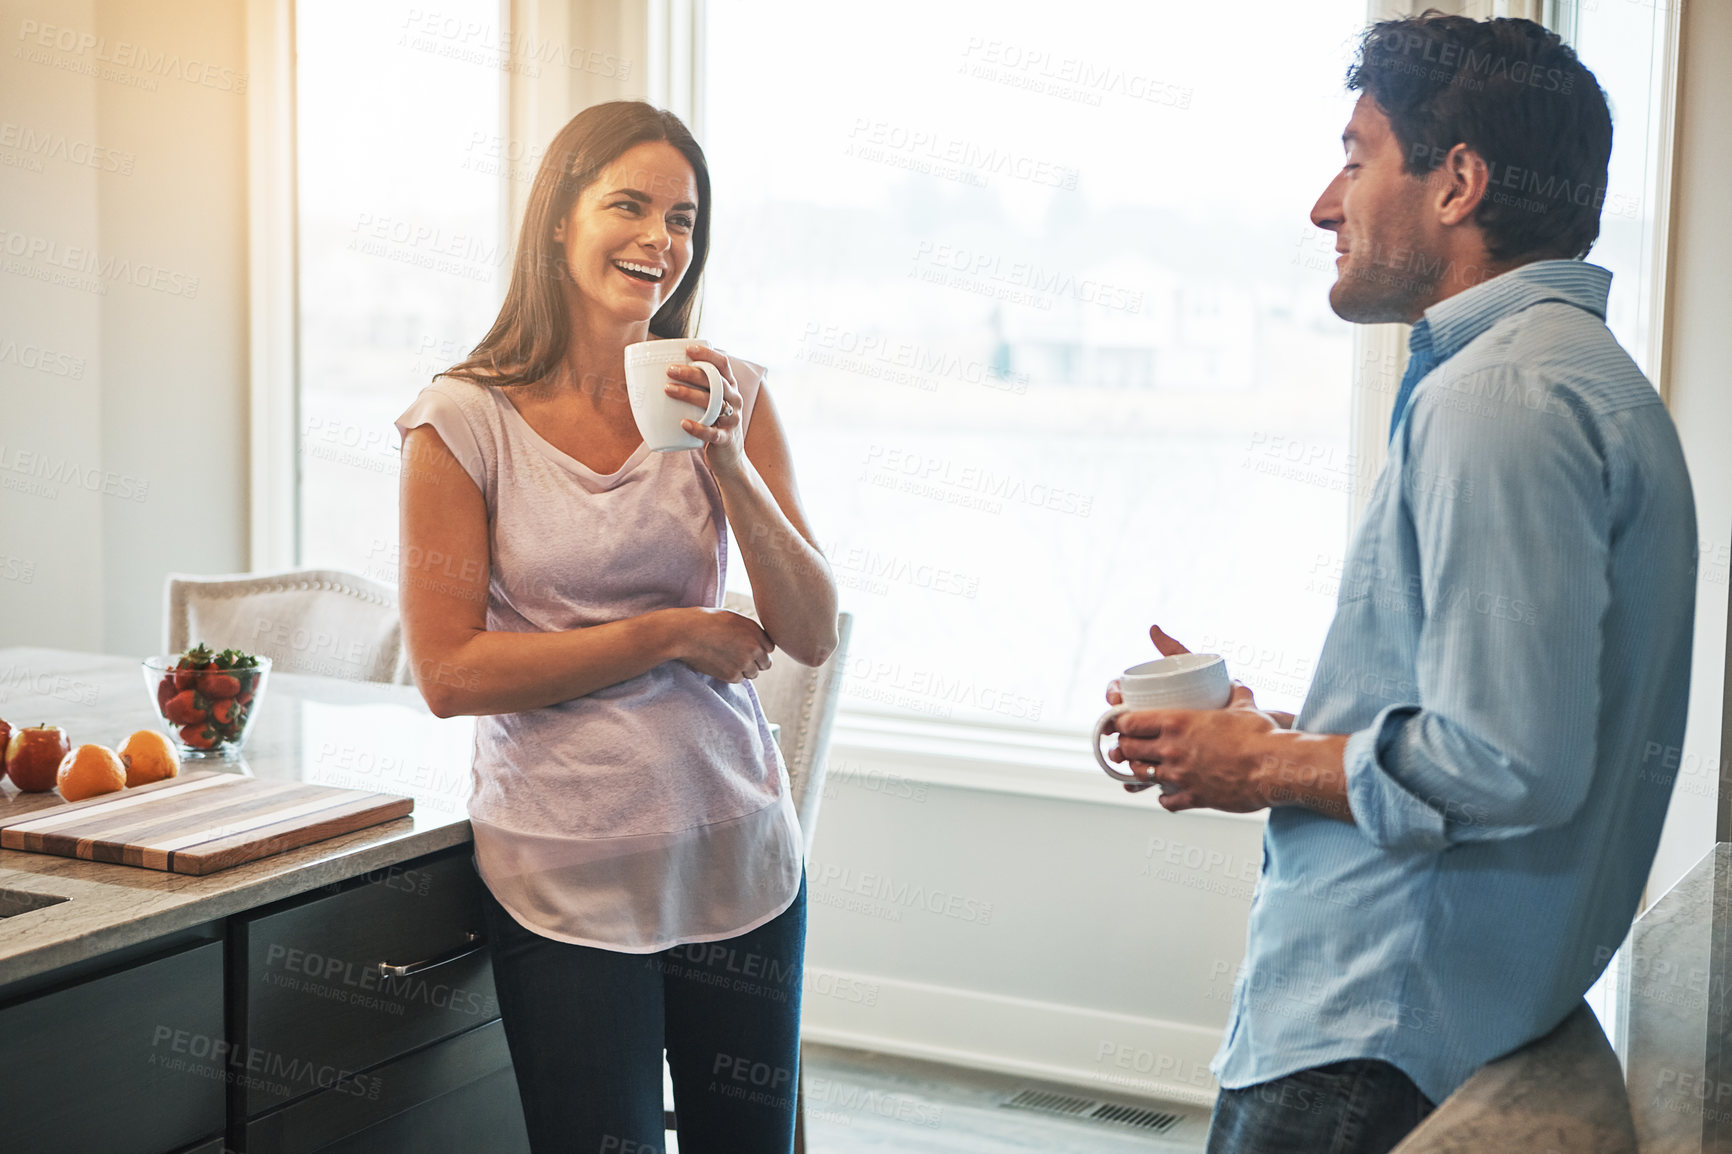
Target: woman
{"x":631,"y":814}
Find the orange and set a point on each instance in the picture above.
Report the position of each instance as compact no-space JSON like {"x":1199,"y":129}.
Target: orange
{"x":90,"y":770}
{"x":148,"y":756}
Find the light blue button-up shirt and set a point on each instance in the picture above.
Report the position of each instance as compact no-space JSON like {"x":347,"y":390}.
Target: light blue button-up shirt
{"x":1511,"y":657}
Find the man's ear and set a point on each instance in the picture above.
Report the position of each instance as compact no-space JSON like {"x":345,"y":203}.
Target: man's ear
{"x":1461,"y":182}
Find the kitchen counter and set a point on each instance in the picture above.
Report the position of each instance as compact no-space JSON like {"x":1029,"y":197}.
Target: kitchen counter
{"x":313,"y":729}
{"x":1675,"y":970}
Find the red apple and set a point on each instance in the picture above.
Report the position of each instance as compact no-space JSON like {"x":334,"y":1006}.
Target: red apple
{"x":33,"y":756}
{"x":5,"y":738}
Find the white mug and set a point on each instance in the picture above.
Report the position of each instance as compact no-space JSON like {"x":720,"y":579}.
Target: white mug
{"x":1182,"y":681}
{"x":658,"y":415}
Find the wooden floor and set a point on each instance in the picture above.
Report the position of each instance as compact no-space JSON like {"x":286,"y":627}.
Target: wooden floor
{"x":859,"y":1103}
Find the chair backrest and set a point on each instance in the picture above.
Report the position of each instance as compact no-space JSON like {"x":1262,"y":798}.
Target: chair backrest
{"x":802,"y":700}
{"x":322,"y":621}
{"x":1564,"y":1091}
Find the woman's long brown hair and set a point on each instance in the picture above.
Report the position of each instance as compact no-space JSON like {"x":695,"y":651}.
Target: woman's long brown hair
{"x":532,"y":333}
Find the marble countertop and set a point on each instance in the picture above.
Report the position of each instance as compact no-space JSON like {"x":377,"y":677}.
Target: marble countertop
{"x":353,"y":734}
{"x":1674,"y":974}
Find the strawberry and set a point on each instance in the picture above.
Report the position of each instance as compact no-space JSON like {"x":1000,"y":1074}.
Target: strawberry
{"x":200,"y":678}
{"x":186,"y":669}
{"x":185,"y":708}
{"x":190,"y":662}
{"x":248,"y":676}
{"x":224,"y":711}
{"x":198,"y":736}
{"x":216,"y":684}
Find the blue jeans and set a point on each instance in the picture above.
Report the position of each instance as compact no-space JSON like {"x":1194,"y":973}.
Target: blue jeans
{"x":587,"y":1028}
{"x":1358,"y":1107}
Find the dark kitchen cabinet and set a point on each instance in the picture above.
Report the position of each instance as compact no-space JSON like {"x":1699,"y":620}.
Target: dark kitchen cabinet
{"x":456,"y":1097}
{"x":133,"y":1061}
{"x":317,"y":1002}
{"x":368,"y":1022}
{"x":357,"y":1019}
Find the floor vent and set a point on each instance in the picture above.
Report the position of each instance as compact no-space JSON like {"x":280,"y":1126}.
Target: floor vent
{"x":1157,"y":1120}
{"x":1043,"y":1102}
{"x":1068,"y":1106}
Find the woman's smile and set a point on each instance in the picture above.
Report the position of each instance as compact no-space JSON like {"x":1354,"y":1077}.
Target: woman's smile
{"x":641,"y":272}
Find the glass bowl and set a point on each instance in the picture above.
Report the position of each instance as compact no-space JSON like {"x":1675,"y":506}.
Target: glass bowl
{"x":207,"y":712}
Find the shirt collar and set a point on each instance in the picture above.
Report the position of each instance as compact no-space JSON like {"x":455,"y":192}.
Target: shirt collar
{"x":1452,"y":322}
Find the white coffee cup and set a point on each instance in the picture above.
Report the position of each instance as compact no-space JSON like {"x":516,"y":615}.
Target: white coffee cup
{"x":1182,"y":681}
{"x":658,"y":415}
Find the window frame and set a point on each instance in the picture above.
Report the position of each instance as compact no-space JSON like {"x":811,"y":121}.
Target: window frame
{"x":273,"y":313}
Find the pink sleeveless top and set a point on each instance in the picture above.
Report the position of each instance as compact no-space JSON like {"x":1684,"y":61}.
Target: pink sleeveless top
{"x":654,"y":812}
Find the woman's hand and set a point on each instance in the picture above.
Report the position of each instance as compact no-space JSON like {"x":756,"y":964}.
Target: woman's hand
{"x":724,"y":447}
{"x":723,"y":644}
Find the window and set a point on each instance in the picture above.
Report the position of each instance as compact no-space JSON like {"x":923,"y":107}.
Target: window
{"x":1048,"y":326}
{"x":402,"y":253}
{"x":1045,"y":315}
{"x":1625,"y":45}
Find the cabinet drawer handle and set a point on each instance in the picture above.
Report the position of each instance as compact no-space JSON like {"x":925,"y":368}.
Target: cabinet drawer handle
{"x":472,"y":943}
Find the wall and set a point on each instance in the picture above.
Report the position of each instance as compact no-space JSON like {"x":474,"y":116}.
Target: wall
{"x":122,"y":180}
{"x":1701,"y":402}
{"x":1026,"y":919}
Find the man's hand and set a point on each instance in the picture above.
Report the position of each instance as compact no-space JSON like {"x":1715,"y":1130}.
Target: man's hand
{"x":1199,"y":757}
{"x":1168,"y":647}
{"x":1238,"y":759}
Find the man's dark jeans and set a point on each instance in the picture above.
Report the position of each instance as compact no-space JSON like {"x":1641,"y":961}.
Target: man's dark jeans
{"x":1357,"y":1107}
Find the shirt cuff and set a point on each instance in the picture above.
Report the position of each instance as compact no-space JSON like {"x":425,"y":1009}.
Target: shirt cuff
{"x":1391,"y":816}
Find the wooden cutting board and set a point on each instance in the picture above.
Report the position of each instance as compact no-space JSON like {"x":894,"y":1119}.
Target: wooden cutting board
{"x":199,"y":823}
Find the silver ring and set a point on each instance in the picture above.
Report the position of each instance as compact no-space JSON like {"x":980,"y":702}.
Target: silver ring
{"x":727,"y":409}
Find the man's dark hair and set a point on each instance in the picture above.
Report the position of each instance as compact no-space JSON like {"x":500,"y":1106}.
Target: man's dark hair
{"x":1514,"y":93}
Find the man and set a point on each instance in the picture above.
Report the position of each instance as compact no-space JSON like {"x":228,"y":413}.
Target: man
{"x":1460,"y":819}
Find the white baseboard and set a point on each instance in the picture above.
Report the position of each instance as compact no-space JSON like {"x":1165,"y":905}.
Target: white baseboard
{"x":1107,"y":1052}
